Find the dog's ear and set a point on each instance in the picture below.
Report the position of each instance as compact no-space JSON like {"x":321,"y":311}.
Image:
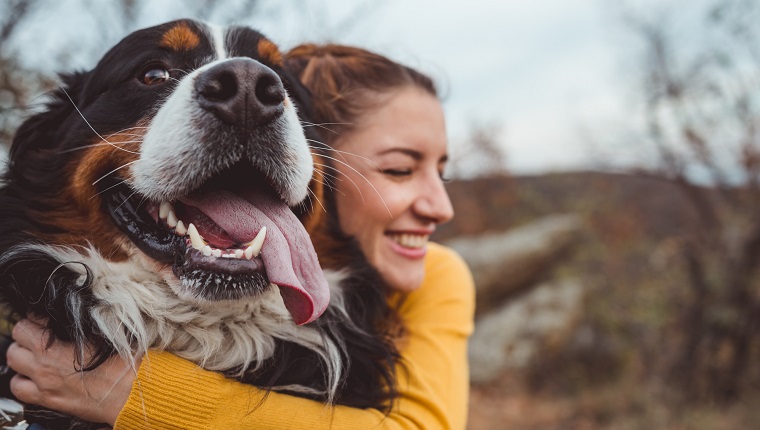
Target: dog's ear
{"x":42,"y":130}
{"x":301,"y":97}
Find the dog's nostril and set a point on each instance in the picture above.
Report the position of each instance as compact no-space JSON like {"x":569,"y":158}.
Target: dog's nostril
{"x":269,"y":91}
{"x":220,"y":87}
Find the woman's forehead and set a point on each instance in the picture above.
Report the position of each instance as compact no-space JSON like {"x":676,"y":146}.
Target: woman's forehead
{"x":410,"y":120}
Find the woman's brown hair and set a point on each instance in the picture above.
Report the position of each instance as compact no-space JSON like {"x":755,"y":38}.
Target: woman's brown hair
{"x":346,"y":82}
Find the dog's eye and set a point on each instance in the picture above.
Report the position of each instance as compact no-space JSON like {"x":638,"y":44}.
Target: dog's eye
{"x":155,"y":76}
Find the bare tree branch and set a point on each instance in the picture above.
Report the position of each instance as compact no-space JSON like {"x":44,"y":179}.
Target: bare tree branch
{"x":702,"y":119}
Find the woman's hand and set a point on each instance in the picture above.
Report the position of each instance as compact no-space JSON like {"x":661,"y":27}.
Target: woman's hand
{"x":48,"y":377}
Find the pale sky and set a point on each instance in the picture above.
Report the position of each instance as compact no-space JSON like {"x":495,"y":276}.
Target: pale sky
{"x":542,"y":69}
{"x":549,"y":72}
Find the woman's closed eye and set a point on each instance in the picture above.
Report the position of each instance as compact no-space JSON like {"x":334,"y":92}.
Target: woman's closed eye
{"x":397,"y":172}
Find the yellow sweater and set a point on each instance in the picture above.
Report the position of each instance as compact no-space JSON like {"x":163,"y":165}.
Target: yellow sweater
{"x":171,"y":393}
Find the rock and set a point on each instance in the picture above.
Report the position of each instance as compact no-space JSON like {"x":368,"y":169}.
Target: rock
{"x":511,"y":336}
{"x":506,"y":263}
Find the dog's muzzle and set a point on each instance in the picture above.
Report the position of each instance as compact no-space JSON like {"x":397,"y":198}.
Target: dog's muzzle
{"x":227,"y":153}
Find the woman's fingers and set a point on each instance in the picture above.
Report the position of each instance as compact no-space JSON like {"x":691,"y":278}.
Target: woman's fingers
{"x":25,"y":389}
{"x":29,"y":334}
{"x":21,"y":359}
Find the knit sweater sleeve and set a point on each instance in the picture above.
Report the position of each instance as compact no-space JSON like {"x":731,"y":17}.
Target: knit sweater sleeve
{"x":171,"y":393}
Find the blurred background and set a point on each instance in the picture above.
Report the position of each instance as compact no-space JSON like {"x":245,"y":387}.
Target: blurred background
{"x":606,"y":160}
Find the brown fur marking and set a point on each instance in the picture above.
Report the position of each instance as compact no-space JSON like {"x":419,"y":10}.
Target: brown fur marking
{"x":79,"y":209}
{"x":180,"y":38}
{"x":269,"y":52}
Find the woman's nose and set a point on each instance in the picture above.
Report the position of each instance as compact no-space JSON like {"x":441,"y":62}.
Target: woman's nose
{"x":433,"y":202}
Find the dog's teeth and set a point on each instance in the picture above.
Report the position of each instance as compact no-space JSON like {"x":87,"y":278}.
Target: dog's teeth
{"x":254,"y":247}
{"x":195,"y":237}
{"x":239,"y":253}
{"x":180,"y":229}
{"x":206,"y":251}
{"x":164,"y":209}
{"x":216,"y":253}
{"x":172,"y":219}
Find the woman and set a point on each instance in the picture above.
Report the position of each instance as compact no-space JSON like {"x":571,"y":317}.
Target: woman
{"x":388,"y":132}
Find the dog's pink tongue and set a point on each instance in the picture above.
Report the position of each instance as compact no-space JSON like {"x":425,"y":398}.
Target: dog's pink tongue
{"x":289,"y":257}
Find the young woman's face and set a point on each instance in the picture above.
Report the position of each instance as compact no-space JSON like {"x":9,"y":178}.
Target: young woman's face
{"x":390,"y":195}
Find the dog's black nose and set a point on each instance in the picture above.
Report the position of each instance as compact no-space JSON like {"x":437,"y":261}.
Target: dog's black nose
{"x":241,"y":92}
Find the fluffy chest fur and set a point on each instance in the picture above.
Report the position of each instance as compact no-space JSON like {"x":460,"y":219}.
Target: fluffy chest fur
{"x":134,"y":309}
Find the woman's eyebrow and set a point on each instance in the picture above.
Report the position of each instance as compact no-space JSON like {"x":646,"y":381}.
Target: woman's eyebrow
{"x":406,"y":151}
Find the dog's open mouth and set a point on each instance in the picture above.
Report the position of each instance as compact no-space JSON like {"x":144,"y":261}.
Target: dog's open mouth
{"x":227,"y":240}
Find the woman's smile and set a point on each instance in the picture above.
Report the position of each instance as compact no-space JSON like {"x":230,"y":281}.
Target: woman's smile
{"x":407,"y":244}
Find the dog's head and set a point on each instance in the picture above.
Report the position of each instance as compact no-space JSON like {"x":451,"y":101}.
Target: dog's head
{"x":182,"y":147}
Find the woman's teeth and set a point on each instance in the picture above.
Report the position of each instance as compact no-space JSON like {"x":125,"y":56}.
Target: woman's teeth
{"x":410,"y":240}
{"x":247,"y":251}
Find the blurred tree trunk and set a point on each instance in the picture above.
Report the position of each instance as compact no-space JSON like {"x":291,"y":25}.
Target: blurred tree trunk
{"x":15,"y":81}
{"x":702,"y":114}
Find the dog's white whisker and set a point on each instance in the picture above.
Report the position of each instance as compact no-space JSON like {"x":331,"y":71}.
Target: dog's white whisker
{"x":328,"y":183}
{"x":326,"y":179}
{"x":94,"y":145}
{"x":90,"y":126}
{"x":329,"y":148}
{"x":112,"y":186}
{"x":142,"y":200}
{"x":322,"y":125}
{"x":324,"y":147}
{"x":179,"y":70}
{"x":126,"y":200}
{"x":365,"y":178}
{"x":114,"y":170}
{"x":317,"y":199}
{"x":347,"y":177}
{"x":137,"y":127}
{"x":131,"y":135}
{"x":133,"y":138}
{"x":328,"y":174}
{"x":308,"y":196}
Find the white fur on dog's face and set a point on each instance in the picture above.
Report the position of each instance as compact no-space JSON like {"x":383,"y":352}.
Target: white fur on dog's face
{"x":173,"y":157}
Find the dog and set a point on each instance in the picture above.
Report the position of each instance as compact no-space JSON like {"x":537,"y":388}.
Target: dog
{"x":158,"y":202}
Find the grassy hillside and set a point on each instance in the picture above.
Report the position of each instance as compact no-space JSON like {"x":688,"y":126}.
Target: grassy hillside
{"x":611,"y":370}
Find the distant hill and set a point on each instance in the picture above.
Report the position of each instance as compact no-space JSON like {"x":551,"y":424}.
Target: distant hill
{"x":610,"y":201}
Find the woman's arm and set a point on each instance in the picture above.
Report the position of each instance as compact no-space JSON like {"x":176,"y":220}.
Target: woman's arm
{"x":173,"y":393}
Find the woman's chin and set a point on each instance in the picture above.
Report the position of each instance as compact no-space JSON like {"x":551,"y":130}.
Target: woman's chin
{"x":404,"y":280}
{"x":403,"y":268}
